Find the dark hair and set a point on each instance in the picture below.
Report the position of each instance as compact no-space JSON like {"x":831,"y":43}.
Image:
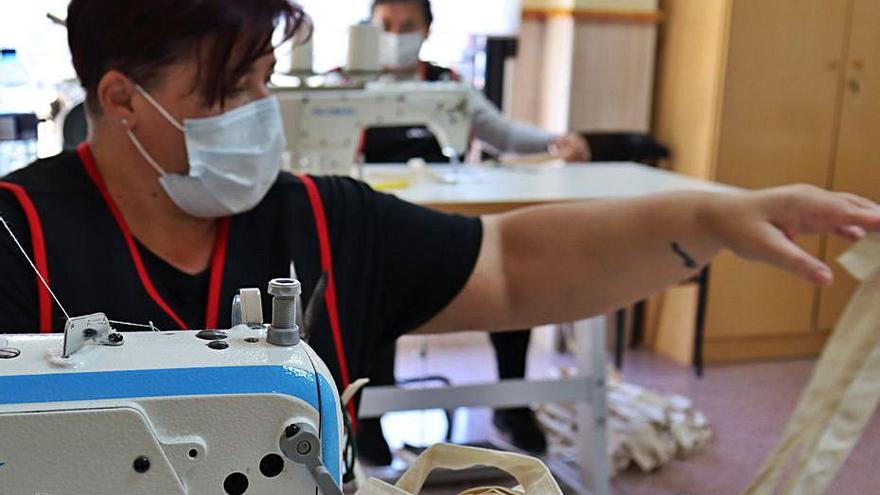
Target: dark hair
{"x":141,"y":37}
{"x":425,"y":5}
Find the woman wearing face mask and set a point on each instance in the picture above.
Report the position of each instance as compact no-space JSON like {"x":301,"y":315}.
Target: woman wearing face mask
{"x":177,"y":200}
{"x":406,"y":25}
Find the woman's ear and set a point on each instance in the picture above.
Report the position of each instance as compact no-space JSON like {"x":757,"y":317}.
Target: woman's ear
{"x":114,"y":95}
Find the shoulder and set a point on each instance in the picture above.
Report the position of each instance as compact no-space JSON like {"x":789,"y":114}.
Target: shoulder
{"x":336,"y":193}
{"x":288,"y":185}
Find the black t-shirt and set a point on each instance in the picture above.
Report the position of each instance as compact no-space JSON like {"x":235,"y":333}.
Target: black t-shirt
{"x":396,"y":264}
{"x":186,"y":291}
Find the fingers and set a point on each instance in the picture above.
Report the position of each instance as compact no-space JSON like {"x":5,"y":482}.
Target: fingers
{"x":850,"y":232}
{"x":858,"y":211}
{"x":581,"y":147}
{"x":782,"y":252}
{"x":571,"y":153}
{"x":854,"y":232}
{"x":572,"y":148}
{"x":858,"y":200}
{"x":866,"y":219}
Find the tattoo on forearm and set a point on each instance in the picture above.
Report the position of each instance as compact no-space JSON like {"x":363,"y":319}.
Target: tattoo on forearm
{"x":685,"y":257}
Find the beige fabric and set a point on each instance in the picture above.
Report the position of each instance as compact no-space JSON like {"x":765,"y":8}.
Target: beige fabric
{"x":646,"y":429}
{"x":491,"y":490}
{"x":353,"y":388}
{"x":842,"y":395}
{"x":530,"y":473}
{"x":376,"y":487}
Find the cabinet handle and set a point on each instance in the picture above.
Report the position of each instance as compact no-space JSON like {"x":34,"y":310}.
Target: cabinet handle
{"x":855,"y":86}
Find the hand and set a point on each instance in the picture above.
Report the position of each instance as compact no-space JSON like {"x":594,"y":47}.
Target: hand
{"x":763,"y":225}
{"x":571,"y":148}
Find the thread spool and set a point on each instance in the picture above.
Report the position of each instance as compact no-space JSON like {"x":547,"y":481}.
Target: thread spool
{"x":302,"y":57}
{"x":363,"y":48}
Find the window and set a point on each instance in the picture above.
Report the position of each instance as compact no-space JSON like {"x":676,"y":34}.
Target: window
{"x":41,"y":44}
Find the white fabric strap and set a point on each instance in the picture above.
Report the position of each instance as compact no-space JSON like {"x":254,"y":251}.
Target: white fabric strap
{"x":842,"y":395}
{"x":352,"y":390}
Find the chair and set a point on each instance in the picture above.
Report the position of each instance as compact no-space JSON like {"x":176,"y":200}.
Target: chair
{"x":74,"y":128}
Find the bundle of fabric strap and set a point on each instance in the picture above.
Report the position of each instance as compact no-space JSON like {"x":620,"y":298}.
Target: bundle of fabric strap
{"x":841,"y":397}
{"x":646,"y":429}
{"x":532,"y":475}
{"x":649,"y":429}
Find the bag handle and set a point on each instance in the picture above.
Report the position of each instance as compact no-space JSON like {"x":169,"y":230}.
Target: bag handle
{"x":529,"y":472}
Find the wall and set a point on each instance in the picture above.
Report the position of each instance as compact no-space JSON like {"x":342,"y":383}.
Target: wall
{"x":688,"y":89}
{"x":585,"y":65}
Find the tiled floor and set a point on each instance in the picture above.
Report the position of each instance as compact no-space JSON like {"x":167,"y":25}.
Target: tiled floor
{"x":747,"y":404}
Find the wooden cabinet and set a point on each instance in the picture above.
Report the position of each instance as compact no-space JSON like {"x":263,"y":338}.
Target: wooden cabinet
{"x":857,"y":158}
{"x":793,"y":98}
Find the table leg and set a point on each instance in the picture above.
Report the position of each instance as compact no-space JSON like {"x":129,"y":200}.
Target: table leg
{"x":593,"y":416}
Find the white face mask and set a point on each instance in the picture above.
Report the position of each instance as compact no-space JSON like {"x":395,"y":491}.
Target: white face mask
{"x":400,"y":50}
{"x":234,"y":158}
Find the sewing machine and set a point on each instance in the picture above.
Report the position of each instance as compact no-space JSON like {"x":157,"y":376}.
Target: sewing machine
{"x":248,"y":410}
{"x":324,"y":127}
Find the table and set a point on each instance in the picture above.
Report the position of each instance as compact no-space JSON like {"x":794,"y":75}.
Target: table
{"x":484,"y":190}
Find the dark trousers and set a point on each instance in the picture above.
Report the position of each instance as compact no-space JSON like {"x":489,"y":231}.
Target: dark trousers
{"x":511,"y":349}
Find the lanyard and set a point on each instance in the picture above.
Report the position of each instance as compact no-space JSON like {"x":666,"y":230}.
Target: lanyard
{"x":218,"y":256}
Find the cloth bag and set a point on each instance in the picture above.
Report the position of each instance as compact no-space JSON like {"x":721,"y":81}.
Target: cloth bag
{"x":532,"y":475}
{"x":841,"y":397}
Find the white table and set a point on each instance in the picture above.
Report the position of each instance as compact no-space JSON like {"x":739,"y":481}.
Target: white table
{"x":495,"y":189}
{"x":484,"y":190}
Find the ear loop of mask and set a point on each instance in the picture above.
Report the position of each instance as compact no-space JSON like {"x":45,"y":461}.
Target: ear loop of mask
{"x":142,"y":150}
{"x":137,"y":142}
{"x":159,"y":107}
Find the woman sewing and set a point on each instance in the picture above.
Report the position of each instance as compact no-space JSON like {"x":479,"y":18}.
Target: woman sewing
{"x":177,"y":200}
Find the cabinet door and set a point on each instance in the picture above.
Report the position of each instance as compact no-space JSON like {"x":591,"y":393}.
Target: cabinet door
{"x":857,"y":168}
{"x":779,"y":109}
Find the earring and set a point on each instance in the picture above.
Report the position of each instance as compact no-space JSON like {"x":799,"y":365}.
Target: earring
{"x":124,"y":122}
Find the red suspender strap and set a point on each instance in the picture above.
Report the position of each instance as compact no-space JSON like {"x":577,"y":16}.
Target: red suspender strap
{"x":362,"y":145}
{"x":38,"y":243}
{"x":217,"y":262}
{"x":327,"y":266}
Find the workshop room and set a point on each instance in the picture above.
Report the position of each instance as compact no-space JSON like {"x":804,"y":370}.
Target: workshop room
{"x":439,"y":247}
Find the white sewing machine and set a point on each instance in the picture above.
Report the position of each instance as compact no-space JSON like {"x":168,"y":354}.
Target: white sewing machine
{"x":249,"y":410}
{"x":324,"y":126}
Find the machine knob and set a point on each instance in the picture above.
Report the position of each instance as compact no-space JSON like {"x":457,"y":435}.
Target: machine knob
{"x":284,"y":331}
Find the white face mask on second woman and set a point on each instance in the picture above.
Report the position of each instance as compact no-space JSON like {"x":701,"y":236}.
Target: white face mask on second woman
{"x":400,"y":50}
{"x":234,"y":158}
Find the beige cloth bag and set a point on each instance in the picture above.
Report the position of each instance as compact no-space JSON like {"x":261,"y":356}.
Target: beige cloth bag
{"x":532,"y":475}
{"x":842,"y":395}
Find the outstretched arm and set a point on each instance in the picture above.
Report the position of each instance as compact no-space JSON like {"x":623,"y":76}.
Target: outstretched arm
{"x":562,"y":263}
